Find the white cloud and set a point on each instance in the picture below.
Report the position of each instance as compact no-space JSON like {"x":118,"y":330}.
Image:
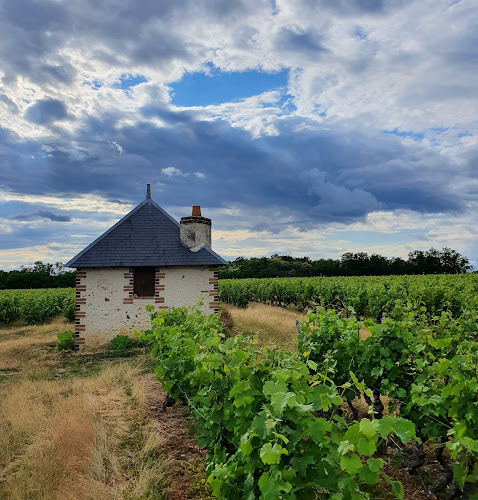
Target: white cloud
{"x":172,"y":172}
{"x":81,"y":203}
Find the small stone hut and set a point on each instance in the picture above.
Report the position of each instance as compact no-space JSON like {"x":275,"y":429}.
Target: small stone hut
{"x":146,"y":258}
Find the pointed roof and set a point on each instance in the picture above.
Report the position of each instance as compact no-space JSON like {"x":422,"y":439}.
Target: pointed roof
{"x":147,"y":236}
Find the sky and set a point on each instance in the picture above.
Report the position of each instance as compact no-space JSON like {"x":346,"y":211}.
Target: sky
{"x":301,"y":127}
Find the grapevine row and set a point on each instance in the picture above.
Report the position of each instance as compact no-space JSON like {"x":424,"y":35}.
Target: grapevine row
{"x":428,"y":369}
{"x":368,"y":296}
{"x":269,"y":420}
{"x":36,"y":306}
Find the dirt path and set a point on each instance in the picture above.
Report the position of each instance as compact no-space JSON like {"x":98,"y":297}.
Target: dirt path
{"x":185,"y":473}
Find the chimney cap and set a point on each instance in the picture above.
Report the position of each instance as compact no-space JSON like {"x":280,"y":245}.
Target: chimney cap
{"x":196,"y":211}
{"x":148,"y":191}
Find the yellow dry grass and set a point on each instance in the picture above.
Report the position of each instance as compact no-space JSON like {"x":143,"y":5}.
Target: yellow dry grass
{"x":274,"y":326}
{"x":18,"y":344}
{"x":73,"y":438}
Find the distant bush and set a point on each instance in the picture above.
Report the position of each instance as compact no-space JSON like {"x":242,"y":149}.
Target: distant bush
{"x":122,"y":342}
{"x":66,"y":341}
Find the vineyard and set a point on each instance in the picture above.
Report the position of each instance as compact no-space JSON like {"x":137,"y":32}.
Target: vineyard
{"x":366,"y":296}
{"x":36,"y":306}
{"x":282,"y":424}
{"x":273,"y":422}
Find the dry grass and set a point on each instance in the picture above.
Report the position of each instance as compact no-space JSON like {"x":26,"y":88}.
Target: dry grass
{"x":72,"y":438}
{"x":274,"y":326}
{"x":20,"y":346}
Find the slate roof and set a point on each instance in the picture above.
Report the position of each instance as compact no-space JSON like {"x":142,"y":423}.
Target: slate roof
{"x":147,"y":236}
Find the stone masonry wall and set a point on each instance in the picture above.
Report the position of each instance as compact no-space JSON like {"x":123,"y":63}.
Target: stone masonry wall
{"x":106,"y":305}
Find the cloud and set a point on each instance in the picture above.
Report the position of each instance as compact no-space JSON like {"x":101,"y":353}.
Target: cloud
{"x":42,"y":214}
{"x":46,"y":111}
{"x":172,"y":172}
{"x":90,"y":203}
{"x":78,"y":133}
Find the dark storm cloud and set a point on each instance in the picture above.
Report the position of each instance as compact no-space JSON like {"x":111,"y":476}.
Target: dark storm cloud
{"x":315,"y":175}
{"x":46,"y":111}
{"x":42,"y":214}
{"x":335,"y":173}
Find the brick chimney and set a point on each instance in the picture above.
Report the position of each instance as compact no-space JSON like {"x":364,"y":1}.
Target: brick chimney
{"x":195,"y":231}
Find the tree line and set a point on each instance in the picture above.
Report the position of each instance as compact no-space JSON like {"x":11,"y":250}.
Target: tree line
{"x":433,"y":261}
{"x":39,"y":275}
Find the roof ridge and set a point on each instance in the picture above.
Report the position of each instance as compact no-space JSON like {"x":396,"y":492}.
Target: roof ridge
{"x":108,"y":231}
{"x":172,"y":257}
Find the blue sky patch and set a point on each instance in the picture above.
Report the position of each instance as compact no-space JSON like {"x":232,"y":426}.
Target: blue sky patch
{"x":127,"y":81}
{"x":94,"y":84}
{"x":201,"y":89}
{"x":404,"y":133}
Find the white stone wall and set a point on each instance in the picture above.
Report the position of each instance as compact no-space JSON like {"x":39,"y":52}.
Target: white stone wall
{"x":106,"y":306}
{"x":185,"y":285}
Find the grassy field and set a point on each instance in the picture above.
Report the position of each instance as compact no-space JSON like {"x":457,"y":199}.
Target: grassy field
{"x":272,"y":326}
{"x":88,"y":426}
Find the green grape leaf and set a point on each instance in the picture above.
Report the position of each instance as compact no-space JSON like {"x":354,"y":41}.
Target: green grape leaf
{"x":366,"y":447}
{"x":367,"y":475}
{"x":278,"y":402}
{"x":318,"y":428}
{"x":271,"y":387}
{"x":271,"y":454}
{"x":269,"y":487}
{"x":245,"y":445}
{"x":375,"y":464}
{"x":351,"y":464}
{"x":312,"y":365}
{"x":385,"y":426}
{"x":404,"y":429}
{"x":368,"y":427}
{"x":397,"y":489}
{"x":258,"y":426}
{"x":353,"y":434}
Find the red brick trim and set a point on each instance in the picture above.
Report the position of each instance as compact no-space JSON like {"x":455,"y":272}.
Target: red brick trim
{"x":213,"y":292}
{"x":80,"y":313}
